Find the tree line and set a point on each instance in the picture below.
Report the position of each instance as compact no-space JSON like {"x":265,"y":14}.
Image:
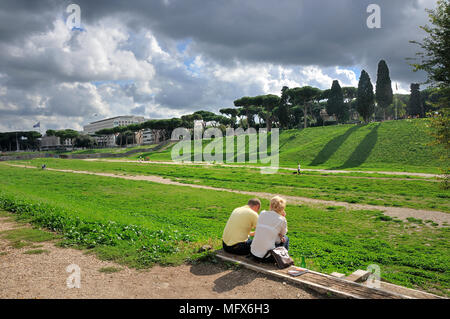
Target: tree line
{"x":305,"y":106}
{"x":22,"y":140}
{"x":301,"y":107}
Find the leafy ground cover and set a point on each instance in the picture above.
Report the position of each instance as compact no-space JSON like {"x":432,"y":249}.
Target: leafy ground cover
{"x":393,"y":191}
{"x":141,"y":223}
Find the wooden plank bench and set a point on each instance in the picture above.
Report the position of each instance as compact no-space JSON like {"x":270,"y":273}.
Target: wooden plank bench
{"x":326,"y":284}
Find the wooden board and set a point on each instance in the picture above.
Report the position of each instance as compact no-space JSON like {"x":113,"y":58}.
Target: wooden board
{"x":326,"y":284}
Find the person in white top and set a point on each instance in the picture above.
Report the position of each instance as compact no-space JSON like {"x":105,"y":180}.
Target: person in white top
{"x":270,"y":230}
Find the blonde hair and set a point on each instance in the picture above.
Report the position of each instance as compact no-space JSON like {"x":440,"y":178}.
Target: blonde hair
{"x":277,"y":204}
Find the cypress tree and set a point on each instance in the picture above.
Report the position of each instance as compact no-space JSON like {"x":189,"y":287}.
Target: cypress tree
{"x":383,"y":89}
{"x":335,"y":104}
{"x":283,"y":109}
{"x":365,"y":97}
{"x":415,"y":101}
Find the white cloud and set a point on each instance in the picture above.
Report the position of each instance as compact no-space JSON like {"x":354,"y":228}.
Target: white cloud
{"x":350,"y":76}
{"x":63,"y":77}
{"x":92,"y":55}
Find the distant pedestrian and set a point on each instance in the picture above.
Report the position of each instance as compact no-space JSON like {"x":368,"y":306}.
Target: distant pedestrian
{"x":298,"y":169}
{"x":44,"y":166}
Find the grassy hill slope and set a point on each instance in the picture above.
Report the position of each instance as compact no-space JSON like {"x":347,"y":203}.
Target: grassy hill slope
{"x":392,"y":146}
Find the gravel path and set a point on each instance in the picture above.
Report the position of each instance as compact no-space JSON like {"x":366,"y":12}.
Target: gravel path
{"x":400,"y":212}
{"x":262,"y":167}
{"x":44,"y":276}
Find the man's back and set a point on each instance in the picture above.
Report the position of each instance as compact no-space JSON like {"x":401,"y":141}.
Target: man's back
{"x":239,"y":225}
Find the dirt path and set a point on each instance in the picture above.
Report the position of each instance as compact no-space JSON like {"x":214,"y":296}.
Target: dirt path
{"x":399,"y":212}
{"x":261,"y":167}
{"x":44,"y":276}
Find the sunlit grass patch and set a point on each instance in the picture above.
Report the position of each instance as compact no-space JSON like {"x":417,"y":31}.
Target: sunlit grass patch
{"x":36,"y":251}
{"x":110,"y":270}
{"x":5,"y":214}
{"x":27,"y":235}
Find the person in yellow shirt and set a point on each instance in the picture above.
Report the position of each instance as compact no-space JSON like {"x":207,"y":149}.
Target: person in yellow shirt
{"x":239,"y":227}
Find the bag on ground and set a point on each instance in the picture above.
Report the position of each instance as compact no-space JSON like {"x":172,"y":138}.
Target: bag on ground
{"x":282,"y":258}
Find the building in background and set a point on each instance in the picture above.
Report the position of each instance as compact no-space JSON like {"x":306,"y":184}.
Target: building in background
{"x":49,"y":143}
{"x":148,"y":138}
{"x":110,"y":140}
{"x":52,"y":142}
{"x":325,"y":117}
{"x":112,"y":122}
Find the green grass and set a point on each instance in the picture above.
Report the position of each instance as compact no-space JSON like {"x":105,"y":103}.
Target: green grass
{"x":115,"y":150}
{"x":391,"y":146}
{"x":24,"y":237}
{"x":141,"y":223}
{"x":36,"y":251}
{"x":19,"y":153}
{"x":388,"y":146}
{"x":352,"y":188}
{"x":401,"y":146}
{"x":28,"y":235}
{"x":415,"y":220}
{"x":109,"y":270}
{"x":4,"y":214}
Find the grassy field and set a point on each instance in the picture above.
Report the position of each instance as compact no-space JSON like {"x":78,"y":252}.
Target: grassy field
{"x":375,"y":189}
{"x":401,"y":145}
{"x":114,"y":150}
{"x":387,"y":146}
{"x":141,"y":223}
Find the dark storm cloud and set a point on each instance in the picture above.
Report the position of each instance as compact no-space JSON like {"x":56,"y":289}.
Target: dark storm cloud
{"x":40,"y":78}
{"x":21,"y":18}
{"x":325,"y":32}
{"x":309,"y":32}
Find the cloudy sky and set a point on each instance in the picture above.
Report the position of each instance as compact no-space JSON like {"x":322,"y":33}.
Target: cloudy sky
{"x":166,"y":58}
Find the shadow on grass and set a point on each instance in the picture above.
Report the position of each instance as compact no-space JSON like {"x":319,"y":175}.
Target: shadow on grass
{"x":363,"y":150}
{"x":331,"y":147}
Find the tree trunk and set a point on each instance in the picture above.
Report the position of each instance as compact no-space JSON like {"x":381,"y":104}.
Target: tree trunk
{"x":268,"y":123}
{"x":305,"y":111}
{"x":247,"y":115}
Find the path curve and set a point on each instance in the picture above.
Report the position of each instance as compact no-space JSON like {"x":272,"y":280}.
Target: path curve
{"x":400,"y":212}
{"x":262,"y":167}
